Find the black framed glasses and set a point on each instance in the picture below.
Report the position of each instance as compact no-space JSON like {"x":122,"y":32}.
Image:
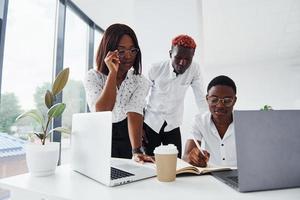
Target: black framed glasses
{"x":132,"y":52}
{"x":226,"y":101}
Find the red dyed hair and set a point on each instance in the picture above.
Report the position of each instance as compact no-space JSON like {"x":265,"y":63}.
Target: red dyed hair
{"x":185,"y":41}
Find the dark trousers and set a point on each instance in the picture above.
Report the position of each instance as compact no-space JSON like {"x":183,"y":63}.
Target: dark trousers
{"x":156,"y":139}
{"x":121,"y":146}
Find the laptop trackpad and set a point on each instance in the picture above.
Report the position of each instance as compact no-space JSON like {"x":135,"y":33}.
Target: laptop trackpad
{"x":131,"y":166}
{"x":127,"y":167}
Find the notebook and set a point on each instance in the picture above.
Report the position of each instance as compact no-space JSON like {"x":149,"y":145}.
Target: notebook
{"x":91,"y":141}
{"x":268,"y":149}
{"x":183,"y":167}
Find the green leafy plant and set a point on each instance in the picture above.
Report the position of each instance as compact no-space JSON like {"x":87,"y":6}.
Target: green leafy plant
{"x":266,"y":107}
{"x":54,"y":110}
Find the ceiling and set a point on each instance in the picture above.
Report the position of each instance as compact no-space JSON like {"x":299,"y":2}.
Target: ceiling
{"x":104,"y":12}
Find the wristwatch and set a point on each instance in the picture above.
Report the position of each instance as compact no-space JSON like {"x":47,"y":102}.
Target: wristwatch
{"x":138,"y":150}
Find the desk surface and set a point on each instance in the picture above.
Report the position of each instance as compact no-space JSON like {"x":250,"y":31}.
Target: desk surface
{"x":67,"y":184}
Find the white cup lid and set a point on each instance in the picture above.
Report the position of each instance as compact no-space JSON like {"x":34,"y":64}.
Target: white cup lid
{"x":166,"y":149}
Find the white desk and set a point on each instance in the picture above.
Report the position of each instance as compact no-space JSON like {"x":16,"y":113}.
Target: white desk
{"x":67,"y":184}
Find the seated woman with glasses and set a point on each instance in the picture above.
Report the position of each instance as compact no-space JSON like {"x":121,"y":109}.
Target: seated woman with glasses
{"x":215,"y":128}
{"x":117,"y":85}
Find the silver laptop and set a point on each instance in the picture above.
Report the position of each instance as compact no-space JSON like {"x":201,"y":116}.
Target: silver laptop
{"x":268,"y":151}
{"x":91,"y":141}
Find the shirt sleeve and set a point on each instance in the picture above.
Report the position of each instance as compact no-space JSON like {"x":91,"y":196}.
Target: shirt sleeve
{"x":196,"y":130}
{"x":137,"y":101}
{"x":198,"y":89}
{"x":93,"y":85}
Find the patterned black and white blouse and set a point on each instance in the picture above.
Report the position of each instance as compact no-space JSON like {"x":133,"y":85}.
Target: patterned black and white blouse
{"x":131,"y":96}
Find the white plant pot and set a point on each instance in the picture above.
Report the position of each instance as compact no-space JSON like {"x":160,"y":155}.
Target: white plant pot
{"x":42,"y":159}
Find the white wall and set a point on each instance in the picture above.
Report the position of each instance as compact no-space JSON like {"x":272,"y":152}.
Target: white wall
{"x":256,"y":42}
{"x":157,"y":22}
{"x":107,"y":12}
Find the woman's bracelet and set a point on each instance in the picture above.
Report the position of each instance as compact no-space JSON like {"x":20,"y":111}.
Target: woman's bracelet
{"x":138,"y":150}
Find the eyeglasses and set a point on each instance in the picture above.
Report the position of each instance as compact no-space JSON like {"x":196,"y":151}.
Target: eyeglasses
{"x":132,"y":52}
{"x":227,"y":101}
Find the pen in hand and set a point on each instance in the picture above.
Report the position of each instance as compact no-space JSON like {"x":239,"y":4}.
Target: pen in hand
{"x":202,"y":152}
{"x":198,"y":146}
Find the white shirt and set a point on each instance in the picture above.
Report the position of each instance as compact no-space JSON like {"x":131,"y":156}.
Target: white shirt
{"x":131,"y":96}
{"x":166,"y":100}
{"x":222,"y":151}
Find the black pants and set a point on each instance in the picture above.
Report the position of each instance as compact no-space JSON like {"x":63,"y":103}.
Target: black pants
{"x":156,"y":139}
{"x":121,"y":146}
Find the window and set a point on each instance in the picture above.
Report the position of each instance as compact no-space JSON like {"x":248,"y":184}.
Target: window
{"x":28,"y":66}
{"x":27,"y":72}
{"x":75,"y":57}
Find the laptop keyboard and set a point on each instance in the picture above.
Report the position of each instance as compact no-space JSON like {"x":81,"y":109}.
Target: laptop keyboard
{"x":235,"y":179}
{"x":117,"y":173}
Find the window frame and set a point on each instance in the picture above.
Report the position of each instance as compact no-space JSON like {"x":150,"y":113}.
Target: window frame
{"x":3,"y":20}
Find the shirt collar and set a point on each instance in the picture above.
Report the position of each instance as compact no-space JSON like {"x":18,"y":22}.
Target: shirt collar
{"x":214,"y":129}
{"x":229,"y":131}
{"x":172,"y":73}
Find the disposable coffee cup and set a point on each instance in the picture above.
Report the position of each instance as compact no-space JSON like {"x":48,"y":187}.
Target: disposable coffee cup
{"x":166,"y":160}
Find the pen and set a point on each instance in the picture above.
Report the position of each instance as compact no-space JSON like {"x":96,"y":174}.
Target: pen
{"x":198,"y":146}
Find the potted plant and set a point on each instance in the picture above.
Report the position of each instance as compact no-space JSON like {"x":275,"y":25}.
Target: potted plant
{"x":42,"y":158}
{"x":266,"y":108}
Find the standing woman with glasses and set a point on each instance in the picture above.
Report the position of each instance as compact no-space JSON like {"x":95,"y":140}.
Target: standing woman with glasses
{"x":214,"y":128}
{"x":117,"y":85}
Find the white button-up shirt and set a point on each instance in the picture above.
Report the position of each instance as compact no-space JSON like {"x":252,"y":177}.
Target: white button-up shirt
{"x":222,"y":151}
{"x":167,"y":92}
{"x":131,"y":96}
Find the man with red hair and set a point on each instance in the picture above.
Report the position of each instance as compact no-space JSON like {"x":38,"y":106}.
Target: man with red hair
{"x":170,"y":81}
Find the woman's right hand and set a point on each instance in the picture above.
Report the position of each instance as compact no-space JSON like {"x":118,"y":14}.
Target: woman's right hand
{"x":141,"y":158}
{"x":112,"y":61}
